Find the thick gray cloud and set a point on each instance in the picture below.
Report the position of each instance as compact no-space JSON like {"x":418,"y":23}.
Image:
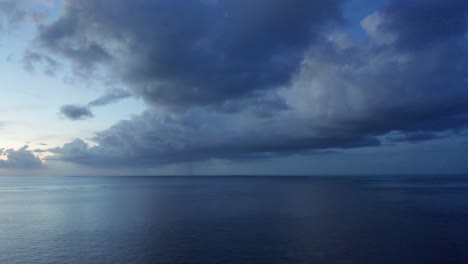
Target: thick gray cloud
{"x":152,"y":139}
{"x":76,"y":112}
{"x":423,"y":23}
{"x":250,"y":92}
{"x":20,"y":159}
{"x":186,"y":53}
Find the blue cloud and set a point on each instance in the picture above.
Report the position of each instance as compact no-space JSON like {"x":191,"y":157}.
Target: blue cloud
{"x":243,"y":79}
{"x":20,"y":159}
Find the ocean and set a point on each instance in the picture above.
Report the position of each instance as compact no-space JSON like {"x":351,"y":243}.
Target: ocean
{"x":232,"y":219}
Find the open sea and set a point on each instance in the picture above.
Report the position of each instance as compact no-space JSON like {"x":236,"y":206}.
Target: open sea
{"x":250,"y":219}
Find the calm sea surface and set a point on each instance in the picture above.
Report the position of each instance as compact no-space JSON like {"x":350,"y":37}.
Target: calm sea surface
{"x":371,"y":220}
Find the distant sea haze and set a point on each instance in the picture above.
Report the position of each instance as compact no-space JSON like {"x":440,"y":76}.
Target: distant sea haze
{"x":251,"y":219}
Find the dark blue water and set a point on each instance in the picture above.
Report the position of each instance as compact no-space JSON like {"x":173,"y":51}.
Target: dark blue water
{"x":234,"y":220}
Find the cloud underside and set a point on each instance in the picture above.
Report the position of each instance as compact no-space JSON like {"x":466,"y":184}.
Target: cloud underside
{"x":19,"y":159}
{"x":76,"y":112}
{"x":254,"y":79}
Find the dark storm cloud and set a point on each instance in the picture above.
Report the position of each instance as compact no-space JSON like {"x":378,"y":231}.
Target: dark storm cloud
{"x":151,"y":139}
{"x":261,"y":92}
{"x":76,"y":112}
{"x":20,"y":159}
{"x":426,"y":22}
{"x":186,"y":53}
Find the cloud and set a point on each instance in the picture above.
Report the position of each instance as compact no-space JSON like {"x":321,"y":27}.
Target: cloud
{"x":308,"y":91}
{"x":76,"y":112}
{"x":31,"y":59}
{"x":20,"y":159}
{"x":14,"y":12}
{"x":417,"y":136}
{"x":10,"y":14}
{"x":40,"y":150}
{"x":194,"y":53}
{"x":423,"y":23}
{"x":153,"y":139}
{"x":109,"y":97}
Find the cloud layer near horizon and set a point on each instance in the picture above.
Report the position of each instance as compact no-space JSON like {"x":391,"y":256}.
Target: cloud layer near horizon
{"x":244,"y":80}
{"x":20,"y":159}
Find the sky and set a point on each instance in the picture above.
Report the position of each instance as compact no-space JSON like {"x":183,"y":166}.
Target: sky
{"x":227,"y":87}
